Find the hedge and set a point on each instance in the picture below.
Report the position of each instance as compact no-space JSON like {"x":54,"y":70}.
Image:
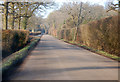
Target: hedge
{"x":17,"y":57}
{"x":102,"y":35}
{"x":13,"y":40}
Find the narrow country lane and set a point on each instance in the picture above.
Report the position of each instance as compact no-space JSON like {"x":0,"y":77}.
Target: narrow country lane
{"x":53,"y":59}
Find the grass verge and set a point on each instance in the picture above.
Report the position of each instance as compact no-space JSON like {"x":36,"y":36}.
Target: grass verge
{"x":9,"y":62}
{"x":100,"y":52}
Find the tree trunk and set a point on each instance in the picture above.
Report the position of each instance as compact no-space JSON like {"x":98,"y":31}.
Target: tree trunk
{"x":19,"y":22}
{"x":26,"y":18}
{"x":5,"y":24}
{"x":78,"y":23}
{"x":25,"y":21}
{"x":75,"y":35}
{"x":19,"y":18}
{"x":12,"y":16}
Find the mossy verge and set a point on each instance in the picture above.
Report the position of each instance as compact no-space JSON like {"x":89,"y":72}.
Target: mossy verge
{"x":100,"y":52}
{"x":17,"y":57}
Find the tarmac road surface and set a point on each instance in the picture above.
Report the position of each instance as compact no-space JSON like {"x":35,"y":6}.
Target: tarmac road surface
{"x":53,"y":59}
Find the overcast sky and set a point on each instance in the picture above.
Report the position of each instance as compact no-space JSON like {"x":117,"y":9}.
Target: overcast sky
{"x":101,"y":2}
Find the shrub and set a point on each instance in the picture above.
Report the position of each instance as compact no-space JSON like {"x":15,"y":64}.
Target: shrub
{"x":102,"y":35}
{"x":13,"y":40}
{"x":16,"y":58}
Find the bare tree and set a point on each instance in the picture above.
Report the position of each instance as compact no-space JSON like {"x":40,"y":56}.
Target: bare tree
{"x":114,"y":6}
{"x":20,"y":10}
{"x":5,"y":23}
{"x":12,"y":14}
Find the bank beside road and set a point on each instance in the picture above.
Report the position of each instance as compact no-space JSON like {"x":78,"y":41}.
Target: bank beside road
{"x":10,"y":62}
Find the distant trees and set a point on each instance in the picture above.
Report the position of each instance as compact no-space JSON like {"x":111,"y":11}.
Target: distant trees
{"x":17,"y":11}
{"x":73,"y":14}
{"x":28,"y":12}
{"x":34,"y":21}
{"x":17,"y":14}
